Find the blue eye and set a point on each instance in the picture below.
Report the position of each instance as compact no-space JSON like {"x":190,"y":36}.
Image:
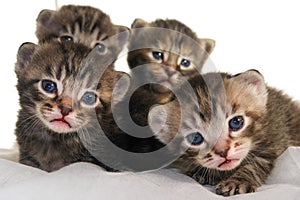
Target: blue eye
{"x":49,"y":86}
{"x":66,"y":38}
{"x":236,"y":123}
{"x":195,"y":138}
{"x":100,"y":47}
{"x":158,"y":55}
{"x":185,"y":63}
{"x":89,"y":98}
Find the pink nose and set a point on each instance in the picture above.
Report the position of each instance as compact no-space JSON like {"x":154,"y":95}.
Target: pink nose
{"x":222,"y":146}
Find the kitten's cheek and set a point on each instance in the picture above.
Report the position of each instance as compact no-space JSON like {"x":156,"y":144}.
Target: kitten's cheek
{"x":71,"y":122}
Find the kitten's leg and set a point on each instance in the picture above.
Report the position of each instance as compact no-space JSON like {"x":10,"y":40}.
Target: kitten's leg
{"x":247,"y":178}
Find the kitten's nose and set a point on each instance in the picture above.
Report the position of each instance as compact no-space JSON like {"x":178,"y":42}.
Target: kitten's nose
{"x":65,"y":105}
{"x":65,"y":110}
{"x":223,"y":152}
{"x":170,"y":72}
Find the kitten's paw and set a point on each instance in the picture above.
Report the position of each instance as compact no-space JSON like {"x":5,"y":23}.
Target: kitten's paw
{"x":234,"y":187}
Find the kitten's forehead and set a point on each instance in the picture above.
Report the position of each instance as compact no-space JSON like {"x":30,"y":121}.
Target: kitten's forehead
{"x":210,"y":116}
{"x":174,"y":25}
{"x":204,"y":113}
{"x":86,"y":18}
{"x":243,"y":96}
{"x":203,"y":104}
{"x":72,"y":64}
{"x":164,"y":39}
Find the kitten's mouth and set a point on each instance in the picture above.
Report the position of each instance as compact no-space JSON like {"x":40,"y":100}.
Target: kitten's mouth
{"x":61,"y":121}
{"x":228,"y":163}
{"x":168,"y":82}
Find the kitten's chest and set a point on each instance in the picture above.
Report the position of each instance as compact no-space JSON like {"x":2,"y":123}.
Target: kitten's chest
{"x":141,"y":102}
{"x":54,"y":153}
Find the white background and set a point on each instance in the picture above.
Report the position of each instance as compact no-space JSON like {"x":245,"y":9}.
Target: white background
{"x":258,"y":34}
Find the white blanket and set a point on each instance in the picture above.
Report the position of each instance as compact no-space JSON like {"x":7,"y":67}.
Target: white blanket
{"x":88,"y":181}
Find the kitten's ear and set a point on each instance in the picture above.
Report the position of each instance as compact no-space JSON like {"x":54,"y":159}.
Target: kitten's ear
{"x":124,"y":34}
{"x":207,"y":44}
{"x":44,"y":17}
{"x":164,"y":121}
{"x":117,"y":41}
{"x":121,"y":28}
{"x":24,"y":56}
{"x":121,"y":87}
{"x":253,"y":81}
{"x":139,"y":23}
{"x":157,"y":118}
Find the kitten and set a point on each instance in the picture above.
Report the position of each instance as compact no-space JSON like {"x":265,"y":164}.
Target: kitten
{"x":147,"y":48}
{"x":80,"y":24}
{"x":170,"y":46}
{"x":233,"y":134}
{"x":160,"y":52}
{"x":62,"y":102}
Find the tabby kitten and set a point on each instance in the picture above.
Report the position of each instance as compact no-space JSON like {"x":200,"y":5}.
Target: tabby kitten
{"x":165,"y":50}
{"x":80,"y":24}
{"x":164,"y":54}
{"x":170,"y":46}
{"x":62,"y":102}
{"x":232,"y":139}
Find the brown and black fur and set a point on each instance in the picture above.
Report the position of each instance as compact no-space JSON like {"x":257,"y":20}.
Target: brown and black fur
{"x":143,"y":40}
{"x":172,"y":38}
{"x":80,"y":24}
{"x":141,"y":141}
{"x":273,"y":125}
{"x":39,"y":145}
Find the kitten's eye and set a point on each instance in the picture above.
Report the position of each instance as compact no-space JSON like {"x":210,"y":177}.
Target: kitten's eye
{"x":89,"y":98}
{"x":49,"y":86}
{"x":100,"y":47}
{"x":236,"y":123}
{"x":158,"y":55}
{"x":66,"y":38}
{"x":185,"y":63}
{"x":195,"y":138}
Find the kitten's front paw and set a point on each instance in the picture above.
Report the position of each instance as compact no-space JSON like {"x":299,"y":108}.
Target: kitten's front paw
{"x":232,"y":187}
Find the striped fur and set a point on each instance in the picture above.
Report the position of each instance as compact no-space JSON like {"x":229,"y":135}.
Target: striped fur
{"x":80,"y":24}
{"x":177,"y":42}
{"x":48,"y":146}
{"x":271,"y":125}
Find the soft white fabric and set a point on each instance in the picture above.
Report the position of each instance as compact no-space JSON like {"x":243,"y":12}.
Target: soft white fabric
{"x":88,"y":181}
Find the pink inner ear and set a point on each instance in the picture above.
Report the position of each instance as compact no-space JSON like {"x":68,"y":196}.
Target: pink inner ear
{"x":254,"y":80}
{"x":257,"y":84}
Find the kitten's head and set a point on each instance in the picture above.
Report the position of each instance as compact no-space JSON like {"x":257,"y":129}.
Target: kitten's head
{"x":167,"y":49}
{"x":220,"y":133}
{"x":60,"y":87}
{"x":79,"y":24}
